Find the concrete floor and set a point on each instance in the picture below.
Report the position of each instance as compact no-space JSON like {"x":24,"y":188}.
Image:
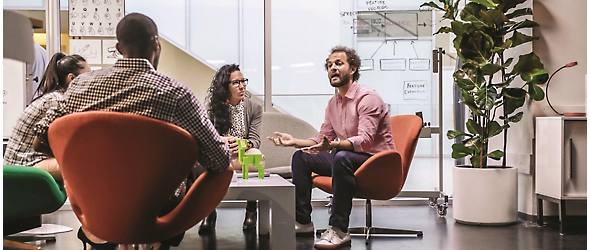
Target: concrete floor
{"x":439,"y":233}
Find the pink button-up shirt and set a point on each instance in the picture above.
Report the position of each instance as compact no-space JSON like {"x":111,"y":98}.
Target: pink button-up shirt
{"x":360,"y":117}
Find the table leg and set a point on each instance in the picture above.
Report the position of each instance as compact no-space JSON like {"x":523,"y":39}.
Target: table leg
{"x":561,"y":216}
{"x":283,"y":221}
{"x":264,"y":217}
{"x":539,"y":211}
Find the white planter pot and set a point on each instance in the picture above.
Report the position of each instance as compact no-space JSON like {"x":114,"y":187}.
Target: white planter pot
{"x":487,"y":196}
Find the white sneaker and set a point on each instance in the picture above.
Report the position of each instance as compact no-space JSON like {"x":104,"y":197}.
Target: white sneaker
{"x":304,"y":229}
{"x":333,"y":238}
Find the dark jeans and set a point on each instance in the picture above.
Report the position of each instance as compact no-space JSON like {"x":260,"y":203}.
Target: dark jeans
{"x":341,"y":167}
{"x":170,"y":205}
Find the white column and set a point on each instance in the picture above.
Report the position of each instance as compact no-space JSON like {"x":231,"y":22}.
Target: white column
{"x":267,"y":57}
{"x":52,"y":27}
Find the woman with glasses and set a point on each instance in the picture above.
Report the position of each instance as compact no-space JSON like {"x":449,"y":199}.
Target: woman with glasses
{"x":235,"y":116}
{"x":61,"y":70}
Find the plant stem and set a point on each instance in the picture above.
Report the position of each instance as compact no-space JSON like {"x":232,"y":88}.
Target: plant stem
{"x":501,"y":55}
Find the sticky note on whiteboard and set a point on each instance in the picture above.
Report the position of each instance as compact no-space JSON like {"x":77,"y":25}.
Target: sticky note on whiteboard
{"x":416,"y":90}
{"x":419,"y":64}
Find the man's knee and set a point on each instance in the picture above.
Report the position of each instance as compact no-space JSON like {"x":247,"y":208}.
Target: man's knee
{"x":296,"y":159}
{"x":341,"y":160}
{"x":342,"y":157}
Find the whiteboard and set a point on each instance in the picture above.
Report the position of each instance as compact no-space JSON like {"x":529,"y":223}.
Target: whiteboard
{"x":94,"y":18}
{"x":391,"y":80}
{"x":13,"y":98}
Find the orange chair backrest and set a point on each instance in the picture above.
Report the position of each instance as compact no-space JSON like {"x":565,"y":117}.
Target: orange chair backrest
{"x":119,"y":169}
{"x":405,"y":130}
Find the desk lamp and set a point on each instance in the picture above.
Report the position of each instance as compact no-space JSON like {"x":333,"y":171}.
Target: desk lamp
{"x":569,"y":65}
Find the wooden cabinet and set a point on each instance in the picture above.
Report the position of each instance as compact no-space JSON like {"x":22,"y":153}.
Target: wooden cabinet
{"x":560,"y":159}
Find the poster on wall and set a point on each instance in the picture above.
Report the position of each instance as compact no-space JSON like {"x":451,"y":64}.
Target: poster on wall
{"x":94,"y":18}
{"x":110,"y":54}
{"x":89,"y":49}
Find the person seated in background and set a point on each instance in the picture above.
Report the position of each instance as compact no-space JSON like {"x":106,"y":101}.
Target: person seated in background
{"x":36,"y":71}
{"x":235,"y":116}
{"x":61,"y":70}
{"x":134,"y":86}
{"x":358,"y":117}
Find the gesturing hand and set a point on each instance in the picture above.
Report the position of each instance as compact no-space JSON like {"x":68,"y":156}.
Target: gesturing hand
{"x":282,"y":139}
{"x":323,"y":146}
{"x":232,"y":144}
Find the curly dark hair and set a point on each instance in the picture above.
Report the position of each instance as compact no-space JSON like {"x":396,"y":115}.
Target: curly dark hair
{"x":352,"y":57}
{"x":218,"y":94}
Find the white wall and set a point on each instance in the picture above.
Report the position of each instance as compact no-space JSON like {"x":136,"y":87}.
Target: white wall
{"x":563,"y":31}
{"x":185,"y":69}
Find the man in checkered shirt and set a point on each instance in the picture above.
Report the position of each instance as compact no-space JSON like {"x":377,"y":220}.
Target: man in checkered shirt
{"x":134,"y":86}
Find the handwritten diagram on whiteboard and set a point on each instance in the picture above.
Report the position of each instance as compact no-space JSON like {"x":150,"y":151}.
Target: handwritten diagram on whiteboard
{"x":96,"y":18}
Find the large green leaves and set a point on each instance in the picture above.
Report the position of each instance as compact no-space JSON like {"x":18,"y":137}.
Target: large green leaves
{"x":520,"y":12}
{"x":474,"y":127}
{"x":484,"y":30}
{"x":530,"y":69}
{"x":433,"y":5}
{"x":477,"y":15}
{"x":536,"y":93}
{"x":524,"y":24}
{"x":506,"y":5}
{"x":514,"y":98}
{"x":452,"y":134}
{"x":460,"y":151}
{"x":476,"y":46}
{"x":486,"y":3}
{"x":520,"y":38}
{"x":496,"y":155}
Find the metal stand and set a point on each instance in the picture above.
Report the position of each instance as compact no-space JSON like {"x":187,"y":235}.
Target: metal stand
{"x":433,"y":196}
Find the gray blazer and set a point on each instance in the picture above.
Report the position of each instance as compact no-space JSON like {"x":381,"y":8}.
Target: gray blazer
{"x":252,"y":119}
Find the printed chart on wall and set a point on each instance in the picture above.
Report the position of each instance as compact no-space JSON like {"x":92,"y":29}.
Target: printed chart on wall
{"x":95,"y":18}
{"x":90,"y":49}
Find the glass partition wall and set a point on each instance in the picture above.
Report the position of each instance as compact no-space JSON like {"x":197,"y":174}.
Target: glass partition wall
{"x":393,"y":39}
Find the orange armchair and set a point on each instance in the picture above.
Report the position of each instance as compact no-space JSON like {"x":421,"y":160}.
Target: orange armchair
{"x":382,"y":176}
{"x":119,"y":169}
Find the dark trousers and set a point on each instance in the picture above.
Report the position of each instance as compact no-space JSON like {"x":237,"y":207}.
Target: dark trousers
{"x":341,"y":167}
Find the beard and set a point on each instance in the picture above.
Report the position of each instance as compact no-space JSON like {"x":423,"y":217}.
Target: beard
{"x":344,"y":79}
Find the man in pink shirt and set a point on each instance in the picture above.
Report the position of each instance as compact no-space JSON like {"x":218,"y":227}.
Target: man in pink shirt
{"x":356,"y":126}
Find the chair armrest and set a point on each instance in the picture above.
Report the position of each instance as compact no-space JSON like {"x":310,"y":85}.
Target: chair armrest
{"x":202,"y":198}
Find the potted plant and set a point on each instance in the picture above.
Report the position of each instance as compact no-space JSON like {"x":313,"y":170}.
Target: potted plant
{"x":485,"y":30}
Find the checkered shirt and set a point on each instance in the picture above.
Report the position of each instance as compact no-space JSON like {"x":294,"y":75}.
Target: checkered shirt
{"x":133,"y":86}
{"x":19,"y":150}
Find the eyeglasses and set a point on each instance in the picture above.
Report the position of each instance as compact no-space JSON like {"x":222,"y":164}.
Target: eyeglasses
{"x":236,"y":83}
